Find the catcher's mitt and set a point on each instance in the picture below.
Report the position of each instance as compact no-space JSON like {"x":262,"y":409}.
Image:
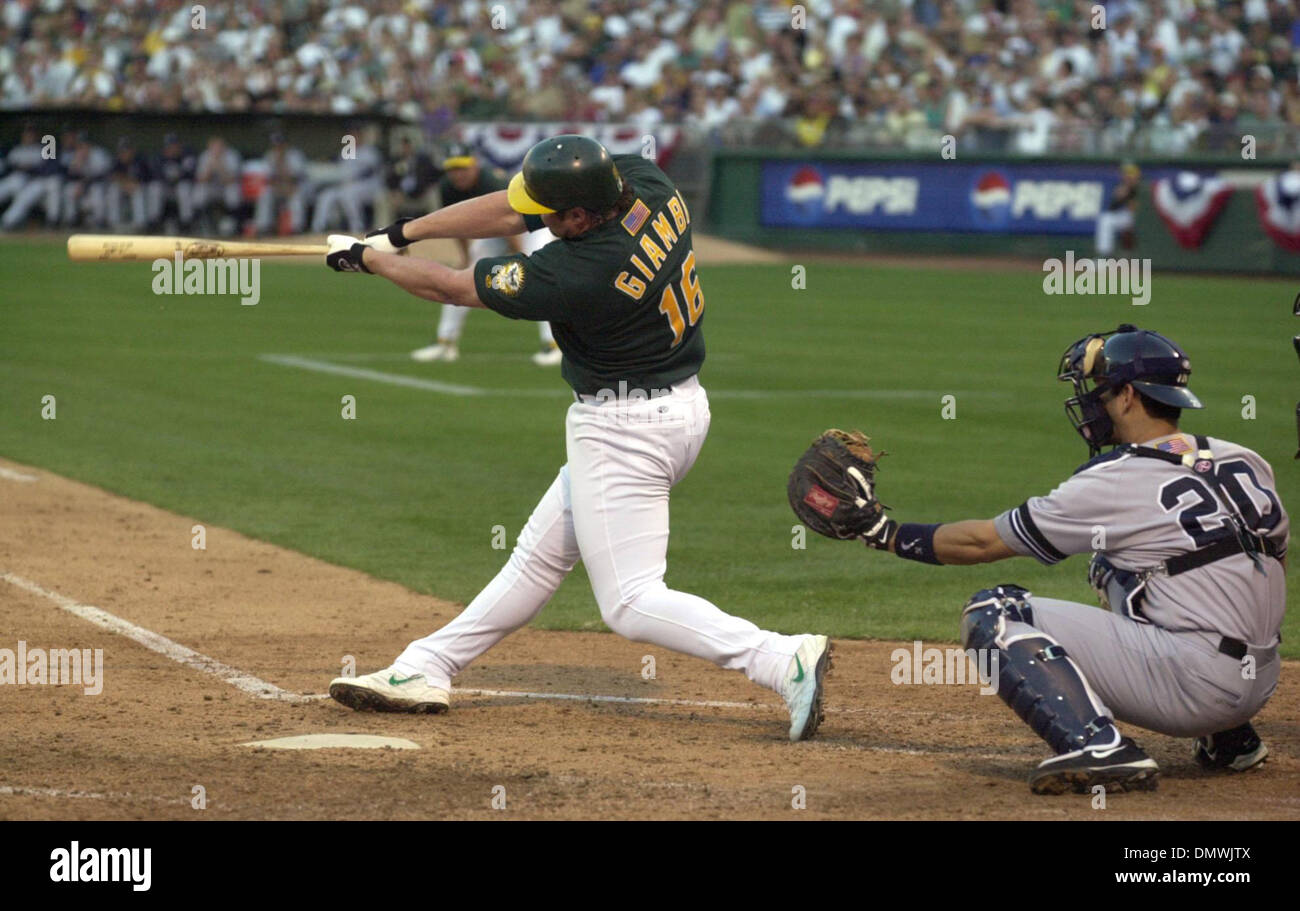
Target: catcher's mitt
{"x":832,"y":486}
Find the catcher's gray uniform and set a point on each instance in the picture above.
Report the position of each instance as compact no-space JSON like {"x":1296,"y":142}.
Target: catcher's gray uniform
{"x":1189,"y":646}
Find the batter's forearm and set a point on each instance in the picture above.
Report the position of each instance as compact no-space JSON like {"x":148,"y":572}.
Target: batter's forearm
{"x":424,"y":277}
{"x":488,"y":215}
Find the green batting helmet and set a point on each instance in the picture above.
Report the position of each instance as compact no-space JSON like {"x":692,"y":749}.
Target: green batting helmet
{"x":565,"y":171}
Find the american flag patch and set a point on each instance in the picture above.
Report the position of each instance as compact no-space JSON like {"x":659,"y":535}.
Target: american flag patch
{"x":635,"y":218}
{"x":1177,"y":446}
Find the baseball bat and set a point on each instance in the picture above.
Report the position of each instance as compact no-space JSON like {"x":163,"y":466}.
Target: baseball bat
{"x":134,"y":248}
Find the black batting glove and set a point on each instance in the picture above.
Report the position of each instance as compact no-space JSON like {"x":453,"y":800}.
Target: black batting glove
{"x":345,"y":254}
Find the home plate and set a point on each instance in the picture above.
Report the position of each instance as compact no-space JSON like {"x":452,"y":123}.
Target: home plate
{"x":335,"y":741}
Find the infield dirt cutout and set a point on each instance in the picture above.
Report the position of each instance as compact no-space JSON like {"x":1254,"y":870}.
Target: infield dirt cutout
{"x":159,"y":729}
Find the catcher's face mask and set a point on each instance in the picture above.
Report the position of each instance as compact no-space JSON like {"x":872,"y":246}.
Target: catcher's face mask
{"x":1083,"y":366}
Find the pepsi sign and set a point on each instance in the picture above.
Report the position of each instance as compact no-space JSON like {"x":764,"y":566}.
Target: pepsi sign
{"x":939,"y":196}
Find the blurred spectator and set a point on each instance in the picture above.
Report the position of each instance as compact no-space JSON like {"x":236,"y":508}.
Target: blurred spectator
{"x":280,"y":206}
{"x":86,"y":169}
{"x":174,"y":191}
{"x":411,"y":177}
{"x":218,"y":187}
{"x":32,"y":179}
{"x":358,"y":182}
{"x":128,"y":188}
{"x":708,"y":63}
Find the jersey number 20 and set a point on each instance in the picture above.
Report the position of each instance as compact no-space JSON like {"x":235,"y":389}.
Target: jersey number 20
{"x":1261,"y":517}
{"x":691,"y":293}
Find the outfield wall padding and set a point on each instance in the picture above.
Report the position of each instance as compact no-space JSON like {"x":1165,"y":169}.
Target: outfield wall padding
{"x":1236,"y":243}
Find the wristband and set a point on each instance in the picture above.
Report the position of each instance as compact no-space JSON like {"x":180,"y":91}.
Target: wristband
{"x":358,"y":252}
{"x":395,"y":235}
{"x":915,"y":541}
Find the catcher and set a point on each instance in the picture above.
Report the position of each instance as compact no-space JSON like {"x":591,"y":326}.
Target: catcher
{"x":1188,"y":538}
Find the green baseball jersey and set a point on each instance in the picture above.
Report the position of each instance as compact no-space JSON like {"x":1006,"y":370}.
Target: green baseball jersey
{"x":624,"y":299}
{"x":490,"y":180}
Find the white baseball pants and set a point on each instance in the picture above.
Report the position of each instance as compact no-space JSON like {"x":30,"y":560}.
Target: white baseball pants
{"x":609,"y":507}
{"x":1109,"y":226}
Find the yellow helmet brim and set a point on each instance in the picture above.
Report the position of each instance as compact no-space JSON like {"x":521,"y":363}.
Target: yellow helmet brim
{"x":520,"y":201}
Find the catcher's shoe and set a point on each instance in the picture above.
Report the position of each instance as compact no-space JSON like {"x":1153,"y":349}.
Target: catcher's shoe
{"x":390,"y":690}
{"x":439,"y":351}
{"x":549,"y":357}
{"x":1238,"y":749}
{"x":1123,"y":767}
{"x":802,"y":690}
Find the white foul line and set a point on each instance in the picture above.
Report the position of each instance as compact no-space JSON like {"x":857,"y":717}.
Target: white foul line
{"x":621,"y":700}
{"x":10,"y":475}
{"x":181,"y":654}
{"x":414,"y":382}
{"x":262,"y":689}
{"x":255,"y":686}
{"x":18,"y":791}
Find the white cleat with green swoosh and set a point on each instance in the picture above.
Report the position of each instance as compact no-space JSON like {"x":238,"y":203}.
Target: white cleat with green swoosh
{"x":390,"y":690}
{"x":803,"y":686}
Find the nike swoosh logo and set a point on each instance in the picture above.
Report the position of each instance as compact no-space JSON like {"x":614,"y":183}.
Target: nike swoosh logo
{"x":799,"y":664}
{"x":393,"y":681}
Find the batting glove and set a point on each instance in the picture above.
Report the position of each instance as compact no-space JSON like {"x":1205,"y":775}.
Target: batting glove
{"x":345,"y":254}
{"x":390,"y":239}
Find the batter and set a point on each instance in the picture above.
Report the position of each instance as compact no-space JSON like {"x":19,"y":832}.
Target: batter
{"x":623,"y":296}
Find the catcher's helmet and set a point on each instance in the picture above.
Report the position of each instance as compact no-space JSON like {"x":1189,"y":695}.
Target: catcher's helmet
{"x":565,"y":171}
{"x":1145,"y":360}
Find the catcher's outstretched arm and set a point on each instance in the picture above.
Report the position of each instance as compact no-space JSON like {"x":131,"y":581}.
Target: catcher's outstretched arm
{"x":968,"y":542}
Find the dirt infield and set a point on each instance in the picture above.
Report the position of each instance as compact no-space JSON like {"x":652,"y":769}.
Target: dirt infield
{"x":160,"y":727}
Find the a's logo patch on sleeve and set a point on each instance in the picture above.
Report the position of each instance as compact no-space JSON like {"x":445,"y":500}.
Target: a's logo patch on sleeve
{"x":636,"y":217}
{"x":507,"y":278}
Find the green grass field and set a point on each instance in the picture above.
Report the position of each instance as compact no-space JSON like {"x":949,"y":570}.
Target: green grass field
{"x":167,"y":400}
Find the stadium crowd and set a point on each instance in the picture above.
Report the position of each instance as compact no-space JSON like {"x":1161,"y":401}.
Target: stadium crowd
{"x":1024,"y":76}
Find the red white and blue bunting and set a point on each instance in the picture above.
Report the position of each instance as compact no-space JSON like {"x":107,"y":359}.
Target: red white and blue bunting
{"x":504,"y":144}
{"x":1278,"y":202}
{"x":1189,"y":204}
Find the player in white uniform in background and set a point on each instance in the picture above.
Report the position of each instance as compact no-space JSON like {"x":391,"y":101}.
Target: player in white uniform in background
{"x":126,"y":197}
{"x":621,"y":289}
{"x":286,"y":185}
{"x":464,"y":178}
{"x":217,"y":185}
{"x":32,"y":180}
{"x":85,"y":181}
{"x":1188,"y":538}
{"x":360,"y":184}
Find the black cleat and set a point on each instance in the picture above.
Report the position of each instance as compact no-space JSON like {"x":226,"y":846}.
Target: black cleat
{"x":1238,"y":749}
{"x":1119,"y":768}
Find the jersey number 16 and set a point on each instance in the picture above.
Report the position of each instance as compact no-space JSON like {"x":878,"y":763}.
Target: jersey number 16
{"x":691,"y":293}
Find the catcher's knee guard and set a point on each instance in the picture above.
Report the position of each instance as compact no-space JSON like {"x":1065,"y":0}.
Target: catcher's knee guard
{"x":1035,"y":676}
